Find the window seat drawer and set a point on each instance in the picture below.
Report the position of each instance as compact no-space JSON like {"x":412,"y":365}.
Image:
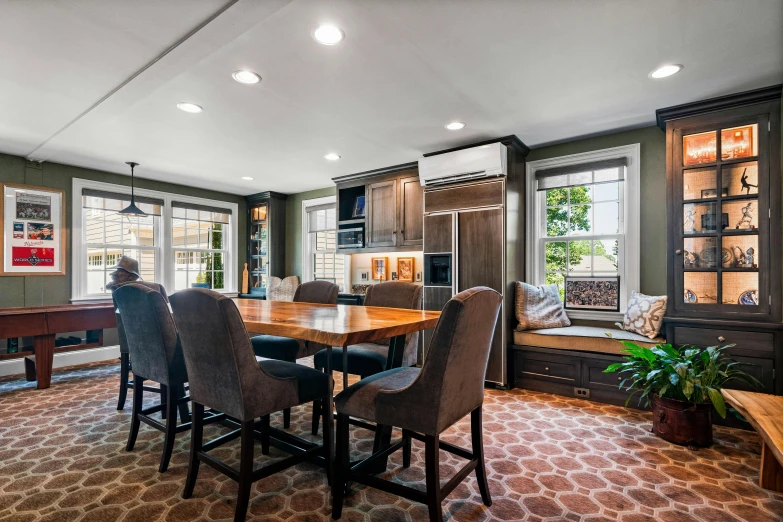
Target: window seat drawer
{"x":549,"y":368}
{"x":744,"y":340}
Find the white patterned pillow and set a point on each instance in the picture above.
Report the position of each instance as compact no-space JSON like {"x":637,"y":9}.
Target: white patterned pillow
{"x":539,"y":307}
{"x":645,"y":314}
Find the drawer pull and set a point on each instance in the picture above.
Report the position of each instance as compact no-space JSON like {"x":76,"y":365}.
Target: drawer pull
{"x":721,"y":339}
{"x":547,"y":368}
{"x":619,"y":378}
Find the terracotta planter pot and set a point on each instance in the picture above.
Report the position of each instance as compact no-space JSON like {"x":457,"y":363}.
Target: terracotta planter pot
{"x":681,"y":422}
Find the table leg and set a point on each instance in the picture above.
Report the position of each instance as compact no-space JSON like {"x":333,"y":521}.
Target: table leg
{"x":771,"y":473}
{"x":44,"y":359}
{"x":329,"y":418}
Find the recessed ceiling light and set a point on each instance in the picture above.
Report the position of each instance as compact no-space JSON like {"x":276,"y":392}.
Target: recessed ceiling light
{"x":455,"y":125}
{"x":332,"y":156}
{"x":247,"y":178}
{"x":248,"y":77}
{"x":328,"y":34}
{"x":666,"y":70}
{"x":189,"y":107}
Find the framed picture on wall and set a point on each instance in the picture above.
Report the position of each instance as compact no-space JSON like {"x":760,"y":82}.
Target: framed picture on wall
{"x":405,"y":269}
{"x":592,"y":293}
{"x":32,"y":230}
{"x":380,"y":268}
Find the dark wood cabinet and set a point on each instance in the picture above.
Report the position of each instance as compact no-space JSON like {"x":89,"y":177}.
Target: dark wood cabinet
{"x":393,"y":214}
{"x":439,"y":230}
{"x":266,"y":247}
{"x":411,"y":205}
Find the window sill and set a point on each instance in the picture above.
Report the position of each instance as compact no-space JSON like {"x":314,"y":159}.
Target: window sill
{"x":593,"y":315}
{"x":108,"y":299}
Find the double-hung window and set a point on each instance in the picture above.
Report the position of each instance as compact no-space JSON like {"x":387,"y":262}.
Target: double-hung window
{"x":321,"y":260}
{"x":584,"y":220}
{"x":181,"y":241}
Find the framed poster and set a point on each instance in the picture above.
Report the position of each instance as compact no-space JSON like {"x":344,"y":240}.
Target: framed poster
{"x":405,"y":269}
{"x":380,"y":268}
{"x":592,"y":293}
{"x":32,"y":230}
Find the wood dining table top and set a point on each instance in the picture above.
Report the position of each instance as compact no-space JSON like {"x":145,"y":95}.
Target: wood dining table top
{"x":333,"y":325}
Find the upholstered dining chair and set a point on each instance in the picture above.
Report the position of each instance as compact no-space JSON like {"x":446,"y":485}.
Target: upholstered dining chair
{"x":125,"y":363}
{"x":287,"y":349}
{"x":151,"y":338}
{"x":281,"y":289}
{"x":224,"y":375}
{"x":367,"y":359}
{"x":452,"y":380}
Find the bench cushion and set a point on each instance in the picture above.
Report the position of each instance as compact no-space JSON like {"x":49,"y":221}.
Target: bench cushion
{"x":582,"y":338}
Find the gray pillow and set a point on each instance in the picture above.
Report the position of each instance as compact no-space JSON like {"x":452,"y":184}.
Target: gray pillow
{"x":645,"y":314}
{"x":539,"y":307}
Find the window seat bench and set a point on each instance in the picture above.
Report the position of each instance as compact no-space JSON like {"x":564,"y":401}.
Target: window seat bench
{"x":571,"y":361}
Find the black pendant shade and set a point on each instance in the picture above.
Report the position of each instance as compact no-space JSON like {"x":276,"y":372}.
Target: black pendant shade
{"x":132,"y":209}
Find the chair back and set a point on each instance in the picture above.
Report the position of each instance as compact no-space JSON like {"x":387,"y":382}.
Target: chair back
{"x":223,"y":370}
{"x":452,"y":378}
{"x":149,"y":333}
{"x":319,"y":292}
{"x":396,"y":294}
{"x":120,"y":328}
{"x":281,"y":289}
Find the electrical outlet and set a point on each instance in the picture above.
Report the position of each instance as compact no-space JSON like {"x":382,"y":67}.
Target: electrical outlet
{"x":582,"y":392}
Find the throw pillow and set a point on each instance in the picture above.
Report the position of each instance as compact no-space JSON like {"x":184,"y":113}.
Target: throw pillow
{"x":645,"y":314}
{"x":539,"y":307}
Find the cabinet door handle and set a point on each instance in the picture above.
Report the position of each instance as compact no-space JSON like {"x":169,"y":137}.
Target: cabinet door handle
{"x":721,"y":338}
{"x":678,"y":252}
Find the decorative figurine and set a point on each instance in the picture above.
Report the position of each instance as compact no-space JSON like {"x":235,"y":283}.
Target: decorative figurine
{"x":244,"y":280}
{"x":689,"y":223}
{"x":744,"y":181}
{"x":688,"y":259}
{"x":750,"y":257}
{"x":746,"y":218}
{"x":126,"y":271}
{"x":739,"y":257}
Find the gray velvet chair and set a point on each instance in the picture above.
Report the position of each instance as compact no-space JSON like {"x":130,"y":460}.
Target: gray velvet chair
{"x":225,"y":375}
{"x":367,"y":359}
{"x":451,"y":380}
{"x":287,"y":349}
{"x":150,"y":336}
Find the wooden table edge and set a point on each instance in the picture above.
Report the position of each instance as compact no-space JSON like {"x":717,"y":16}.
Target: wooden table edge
{"x":736,"y":403}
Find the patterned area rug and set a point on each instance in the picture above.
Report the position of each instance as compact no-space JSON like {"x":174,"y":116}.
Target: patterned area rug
{"x":62,"y":458}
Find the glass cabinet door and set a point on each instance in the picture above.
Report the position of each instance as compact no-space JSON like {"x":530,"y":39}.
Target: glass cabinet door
{"x":720,"y":255}
{"x":259,"y":247}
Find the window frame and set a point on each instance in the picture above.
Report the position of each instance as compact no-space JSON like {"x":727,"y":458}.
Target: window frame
{"x":629,"y":240}
{"x":79,"y":261}
{"x":307,"y":248}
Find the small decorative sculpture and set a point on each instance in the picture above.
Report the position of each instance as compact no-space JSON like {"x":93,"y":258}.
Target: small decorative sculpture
{"x":126,"y":271}
{"x":245,"y":280}
{"x":744,"y":181}
{"x":689,"y":223}
{"x":750,"y":257}
{"x":747,"y":218}
{"x":739,"y":257}
{"x":688,"y":259}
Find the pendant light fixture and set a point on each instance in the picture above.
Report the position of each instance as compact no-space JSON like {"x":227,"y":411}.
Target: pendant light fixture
{"x":132,"y":209}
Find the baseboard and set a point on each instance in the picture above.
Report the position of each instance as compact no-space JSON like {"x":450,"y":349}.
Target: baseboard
{"x":103,"y":353}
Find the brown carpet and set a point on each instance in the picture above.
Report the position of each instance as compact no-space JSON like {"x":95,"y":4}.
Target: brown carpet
{"x":62,"y":458}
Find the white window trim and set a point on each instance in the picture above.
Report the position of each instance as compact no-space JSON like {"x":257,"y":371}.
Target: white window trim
{"x":629,"y":253}
{"x":307,"y":262}
{"x":165,"y":269}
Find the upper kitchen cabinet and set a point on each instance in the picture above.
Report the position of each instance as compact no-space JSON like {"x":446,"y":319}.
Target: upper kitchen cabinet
{"x":380,"y":210}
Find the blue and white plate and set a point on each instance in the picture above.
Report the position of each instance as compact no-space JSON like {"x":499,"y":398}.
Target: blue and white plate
{"x":690,"y":297}
{"x":749,"y":298}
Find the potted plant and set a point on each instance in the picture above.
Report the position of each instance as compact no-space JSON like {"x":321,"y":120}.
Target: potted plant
{"x":201,"y":281}
{"x":682,"y":385}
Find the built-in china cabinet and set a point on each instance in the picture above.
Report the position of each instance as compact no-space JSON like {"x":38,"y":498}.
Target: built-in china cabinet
{"x":266,"y":244}
{"x":724,"y":227}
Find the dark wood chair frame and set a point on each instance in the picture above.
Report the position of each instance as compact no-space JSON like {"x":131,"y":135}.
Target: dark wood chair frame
{"x":127,"y":384}
{"x":363,"y":472}
{"x":300,"y":449}
{"x":175,"y":398}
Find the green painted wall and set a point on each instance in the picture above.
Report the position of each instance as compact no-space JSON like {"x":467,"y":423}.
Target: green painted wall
{"x":49,"y":290}
{"x":653,"y":194}
{"x":293,"y":228}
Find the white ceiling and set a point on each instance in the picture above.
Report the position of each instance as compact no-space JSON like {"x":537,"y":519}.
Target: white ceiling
{"x":83,"y":82}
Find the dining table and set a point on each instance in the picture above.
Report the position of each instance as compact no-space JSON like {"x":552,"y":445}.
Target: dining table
{"x":336,"y":326}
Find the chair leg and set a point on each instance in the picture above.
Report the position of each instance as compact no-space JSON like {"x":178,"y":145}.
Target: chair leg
{"x":265,"y":435}
{"x":406,"y":449}
{"x":184,"y":411}
{"x":432,"y":472}
{"x":138,"y":396}
{"x":477,"y":438}
{"x":247,"y":439}
{"x":171,"y":427}
{"x":286,"y":418}
{"x":342,"y":458}
{"x":124,"y":377}
{"x":164,"y":394}
{"x":196,"y":440}
{"x":381,"y":441}
{"x":316,"y":416}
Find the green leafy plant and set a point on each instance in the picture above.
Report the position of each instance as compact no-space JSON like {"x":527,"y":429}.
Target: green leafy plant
{"x":687,"y":373}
